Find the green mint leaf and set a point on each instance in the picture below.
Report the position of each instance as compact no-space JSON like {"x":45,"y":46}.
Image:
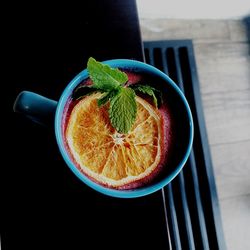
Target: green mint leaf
{"x":146,"y":89}
{"x":104,"y":77}
{"x":107,"y":96}
{"x":122,"y":111}
{"x":81,"y":91}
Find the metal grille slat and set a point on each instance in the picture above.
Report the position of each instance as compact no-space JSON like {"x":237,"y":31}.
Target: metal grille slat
{"x":151,"y":57}
{"x":172,"y":219}
{"x":164,"y":61}
{"x":203,"y":239}
{"x":180,"y":178}
{"x":166,"y":220}
{"x":191,"y":200}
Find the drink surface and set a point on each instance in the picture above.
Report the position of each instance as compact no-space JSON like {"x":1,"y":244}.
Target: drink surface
{"x":112,"y":159}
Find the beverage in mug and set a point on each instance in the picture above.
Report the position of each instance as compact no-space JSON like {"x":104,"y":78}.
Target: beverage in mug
{"x":123,"y":127}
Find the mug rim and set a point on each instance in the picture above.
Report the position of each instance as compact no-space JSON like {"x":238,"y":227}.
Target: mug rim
{"x":137,"y":192}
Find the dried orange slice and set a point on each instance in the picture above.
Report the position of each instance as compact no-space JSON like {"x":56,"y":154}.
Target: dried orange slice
{"x":110,"y":158}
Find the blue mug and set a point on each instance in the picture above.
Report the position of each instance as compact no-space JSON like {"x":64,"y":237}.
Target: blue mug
{"x":43,"y":110}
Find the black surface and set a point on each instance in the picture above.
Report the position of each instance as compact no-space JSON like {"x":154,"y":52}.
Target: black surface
{"x":43,"y":204}
{"x":191,"y":201}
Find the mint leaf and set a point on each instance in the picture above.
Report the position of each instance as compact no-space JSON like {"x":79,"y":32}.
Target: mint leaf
{"x":122,"y":111}
{"x":146,"y":89}
{"x":104,"y":77}
{"x":107,"y":96}
{"x":81,"y":91}
{"x":111,"y":81}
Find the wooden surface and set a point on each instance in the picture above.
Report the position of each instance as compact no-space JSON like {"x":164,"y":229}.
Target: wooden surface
{"x":222,"y":55}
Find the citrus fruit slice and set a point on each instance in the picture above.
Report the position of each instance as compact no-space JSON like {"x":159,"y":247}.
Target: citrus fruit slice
{"x":108,"y":157}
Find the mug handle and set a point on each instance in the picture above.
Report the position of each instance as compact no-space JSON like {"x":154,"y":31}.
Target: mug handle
{"x":36,"y":107}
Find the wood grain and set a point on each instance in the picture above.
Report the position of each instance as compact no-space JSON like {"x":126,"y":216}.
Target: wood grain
{"x":232,"y":171}
{"x":185,"y":29}
{"x":236,"y":222}
{"x":223,"y":66}
{"x":227,"y":116}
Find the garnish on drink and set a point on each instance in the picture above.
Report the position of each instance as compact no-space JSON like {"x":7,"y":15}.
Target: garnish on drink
{"x":115,"y":136}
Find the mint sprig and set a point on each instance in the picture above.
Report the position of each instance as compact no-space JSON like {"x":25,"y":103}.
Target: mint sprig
{"x":104,"y":77}
{"x":146,"y":89}
{"x":81,"y":91}
{"x":123,"y":109}
{"x":107,"y":96}
{"x":111,"y":81}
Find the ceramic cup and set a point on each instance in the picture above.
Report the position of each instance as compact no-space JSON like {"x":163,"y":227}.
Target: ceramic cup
{"x":42,"y":110}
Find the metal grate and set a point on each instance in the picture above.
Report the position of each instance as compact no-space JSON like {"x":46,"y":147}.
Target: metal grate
{"x":191,"y":202}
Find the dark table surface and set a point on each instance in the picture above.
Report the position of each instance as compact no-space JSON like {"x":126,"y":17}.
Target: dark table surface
{"x":45,"y":206}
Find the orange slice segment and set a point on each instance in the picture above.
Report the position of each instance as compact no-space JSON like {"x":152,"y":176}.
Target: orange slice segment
{"x":111,"y":158}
